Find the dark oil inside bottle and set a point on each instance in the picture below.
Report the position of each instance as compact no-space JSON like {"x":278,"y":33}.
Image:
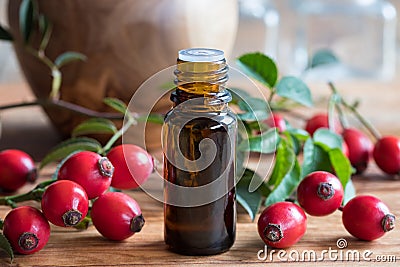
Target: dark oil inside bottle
{"x":209,"y":228}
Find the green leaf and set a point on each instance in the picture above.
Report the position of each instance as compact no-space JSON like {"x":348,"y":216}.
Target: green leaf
{"x":68,"y":57}
{"x":116,"y":104}
{"x":294,"y":89}
{"x":45,"y":29}
{"x":315,"y":158}
{"x":238,"y":95}
{"x":153,"y":118}
{"x":260,"y":67}
{"x":250,"y":176}
{"x":67,"y":147}
{"x":293,"y":142}
{"x":252,"y":116}
{"x":349,"y":192}
{"x":328,"y":138}
{"x":251,"y":202}
{"x":300,"y":134}
{"x":286,"y":187}
{"x":284,"y":162}
{"x":26,"y":19}
{"x":253,"y":103}
{"x":95,"y":126}
{"x":323,"y":57}
{"x":6,"y":246}
{"x":5,"y":34}
{"x":341,"y":165}
{"x":263,"y":143}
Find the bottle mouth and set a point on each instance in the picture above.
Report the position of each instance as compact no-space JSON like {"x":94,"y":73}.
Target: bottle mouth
{"x":201,"y":55}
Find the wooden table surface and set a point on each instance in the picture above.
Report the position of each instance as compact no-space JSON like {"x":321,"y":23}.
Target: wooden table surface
{"x":29,"y":129}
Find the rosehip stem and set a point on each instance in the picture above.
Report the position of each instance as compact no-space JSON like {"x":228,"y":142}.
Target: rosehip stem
{"x":374,"y":132}
{"x":35,"y":194}
{"x":131,"y":121}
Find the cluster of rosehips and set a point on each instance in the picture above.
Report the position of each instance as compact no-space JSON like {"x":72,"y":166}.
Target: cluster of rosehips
{"x":83,"y":177}
{"x":320,"y":193}
{"x":359,"y":147}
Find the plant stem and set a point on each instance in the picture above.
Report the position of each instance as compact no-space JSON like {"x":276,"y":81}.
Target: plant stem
{"x":34,"y":194}
{"x":374,"y":132}
{"x":66,"y":105}
{"x":131,"y":121}
{"x":271,"y":96}
{"x":337,"y":98}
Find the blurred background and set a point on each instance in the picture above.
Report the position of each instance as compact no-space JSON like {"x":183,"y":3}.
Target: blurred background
{"x":360,"y":33}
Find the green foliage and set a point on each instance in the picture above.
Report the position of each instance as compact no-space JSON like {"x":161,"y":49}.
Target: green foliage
{"x":287,"y":185}
{"x":95,"y":126}
{"x":323,"y":57}
{"x":69,"y":146}
{"x":260,"y":67}
{"x":26,"y":18}
{"x":116,"y":104}
{"x":294,"y":89}
{"x":6,"y":247}
{"x":263,"y":143}
{"x":68,"y":57}
{"x":250,"y":201}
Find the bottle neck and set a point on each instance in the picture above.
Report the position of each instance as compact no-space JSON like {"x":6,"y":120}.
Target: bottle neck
{"x":201,"y":79}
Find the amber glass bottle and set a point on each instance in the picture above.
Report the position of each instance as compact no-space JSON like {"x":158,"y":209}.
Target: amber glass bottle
{"x":199,"y":150}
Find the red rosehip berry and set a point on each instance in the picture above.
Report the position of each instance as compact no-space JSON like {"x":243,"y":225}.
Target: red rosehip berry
{"x":345,"y":149}
{"x":282,"y":224}
{"x":65,"y":203}
{"x":90,"y":170}
{"x":367,"y":217}
{"x":320,"y":193}
{"x":320,"y":120}
{"x":16,"y":168}
{"x":387,"y":154}
{"x":26,"y":229}
{"x":276,"y":120}
{"x":117,"y":216}
{"x":133,"y":165}
{"x":359,"y":146}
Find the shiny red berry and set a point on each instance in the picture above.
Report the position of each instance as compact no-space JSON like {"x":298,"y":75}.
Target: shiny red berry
{"x":276,"y":120}
{"x":133,"y":165}
{"x":387,"y":154}
{"x":367,"y":217}
{"x":65,"y":203}
{"x":117,"y":216}
{"x":320,"y":120}
{"x":320,"y":193}
{"x":16,"y":168}
{"x":282,"y":224}
{"x":360,"y":148}
{"x":92,"y":171}
{"x":26,"y":229}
